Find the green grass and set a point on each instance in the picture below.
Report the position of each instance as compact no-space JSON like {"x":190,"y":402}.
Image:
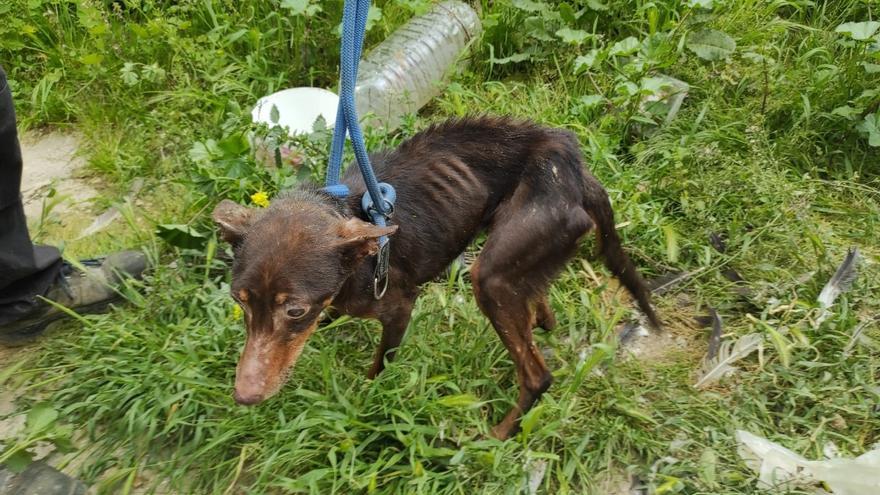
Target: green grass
{"x":769,"y":150}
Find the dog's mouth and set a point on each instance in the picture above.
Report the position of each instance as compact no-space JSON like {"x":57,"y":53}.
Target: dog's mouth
{"x":266,"y":363}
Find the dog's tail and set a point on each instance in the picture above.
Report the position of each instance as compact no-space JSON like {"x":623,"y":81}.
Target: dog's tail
{"x":598,"y":206}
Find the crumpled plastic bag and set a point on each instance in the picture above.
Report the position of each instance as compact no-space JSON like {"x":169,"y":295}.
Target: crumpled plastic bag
{"x":779,"y":467}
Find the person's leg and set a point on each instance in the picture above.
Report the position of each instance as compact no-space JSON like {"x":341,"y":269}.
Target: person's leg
{"x":29,"y":273}
{"x":26,"y":271}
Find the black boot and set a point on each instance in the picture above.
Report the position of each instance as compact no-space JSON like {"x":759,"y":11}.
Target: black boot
{"x":88,"y":291}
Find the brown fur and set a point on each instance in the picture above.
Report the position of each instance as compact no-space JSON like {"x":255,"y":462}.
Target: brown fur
{"x":525,"y":185}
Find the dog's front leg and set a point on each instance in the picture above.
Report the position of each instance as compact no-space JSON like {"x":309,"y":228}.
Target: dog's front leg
{"x":395,"y":316}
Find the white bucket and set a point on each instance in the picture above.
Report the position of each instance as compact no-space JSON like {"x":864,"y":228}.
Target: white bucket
{"x":298,"y":108}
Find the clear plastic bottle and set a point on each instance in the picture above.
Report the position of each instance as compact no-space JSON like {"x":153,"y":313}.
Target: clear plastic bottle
{"x":405,"y":71}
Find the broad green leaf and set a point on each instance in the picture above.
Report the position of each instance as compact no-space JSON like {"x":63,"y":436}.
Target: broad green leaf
{"x":626,"y":46}
{"x":596,"y":5}
{"x":296,"y":7}
{"x":871,"y":128}
{"x":516,"y":57}
{"x":374,"y":16}
{"x":92,"y":59}
{"x":846,"y":111}
{"x":64,"y":444}
{"x":626,"y":88}
{"x":586,"y":62}
{"x":234,"y":145}
{"x":590,"y":101}
{"x":535,"y":27}
{"x":573,"y":36}
{"x":40,"y":418}
{"x":530,"y":5}
{"x":859,"y":31}
{"x":274,"y":115}
{"x":711,"y":44}
{"x":654,"y":85}
{"x":204,"y":151}
{"x":301,"y":7}
{"x":182,"y":236}
{"x":871,"y":68}
{"x":18,"y":461}
{"x":868,"y":95}
{"x":567,"y":13}
{"x":153,"y":73}
{"x":129,"y":74}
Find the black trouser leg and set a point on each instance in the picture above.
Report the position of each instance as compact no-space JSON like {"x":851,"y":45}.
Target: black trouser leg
{"x":26,"y":271}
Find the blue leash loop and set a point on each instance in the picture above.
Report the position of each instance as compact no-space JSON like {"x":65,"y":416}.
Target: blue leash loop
{"x":378,"y":201}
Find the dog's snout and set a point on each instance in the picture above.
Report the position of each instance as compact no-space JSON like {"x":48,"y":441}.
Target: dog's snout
{"x":247,"y":399}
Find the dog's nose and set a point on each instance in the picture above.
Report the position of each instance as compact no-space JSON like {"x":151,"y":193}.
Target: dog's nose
{"x":246,"y":399}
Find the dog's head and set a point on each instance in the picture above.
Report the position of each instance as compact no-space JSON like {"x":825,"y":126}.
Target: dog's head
{"x":291,"y":260}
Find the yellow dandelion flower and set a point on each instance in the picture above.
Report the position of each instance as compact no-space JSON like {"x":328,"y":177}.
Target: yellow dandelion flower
{"x":236,"y":312}
{"x":260,"y":199}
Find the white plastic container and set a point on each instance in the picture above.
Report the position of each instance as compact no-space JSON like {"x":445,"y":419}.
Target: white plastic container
{"x":403,"y":73}
{"x":298,"y":108}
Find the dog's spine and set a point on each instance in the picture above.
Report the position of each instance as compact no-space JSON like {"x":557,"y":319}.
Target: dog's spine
{"x":598,"y":206}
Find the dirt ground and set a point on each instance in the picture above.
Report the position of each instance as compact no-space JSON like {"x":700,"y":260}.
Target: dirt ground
{"x":51,"y":160}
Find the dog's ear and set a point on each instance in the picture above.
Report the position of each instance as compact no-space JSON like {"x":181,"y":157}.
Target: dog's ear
{"x":359,"y":239}
{"x":233,"y":220}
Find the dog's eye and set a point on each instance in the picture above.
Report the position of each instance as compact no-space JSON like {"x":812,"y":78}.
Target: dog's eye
{"x":296,"y":313}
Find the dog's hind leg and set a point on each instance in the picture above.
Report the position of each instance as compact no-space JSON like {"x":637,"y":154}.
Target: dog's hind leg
{"x":511,"y":316}
{"x":530,"y":240}
{"x":544,"y":317}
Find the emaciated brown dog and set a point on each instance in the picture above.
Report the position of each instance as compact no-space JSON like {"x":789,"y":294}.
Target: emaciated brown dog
{"x":525,"y":185}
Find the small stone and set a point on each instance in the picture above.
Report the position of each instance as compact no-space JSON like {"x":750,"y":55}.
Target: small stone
{"x":39,"y":479}
{"x":837,"y":422}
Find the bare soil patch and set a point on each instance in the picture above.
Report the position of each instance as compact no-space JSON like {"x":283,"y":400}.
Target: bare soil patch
{"x":52,"y":161}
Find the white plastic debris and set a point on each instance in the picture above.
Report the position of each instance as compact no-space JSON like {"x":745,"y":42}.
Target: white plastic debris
{"x":536,"y":471}
{"x":779,"y":467}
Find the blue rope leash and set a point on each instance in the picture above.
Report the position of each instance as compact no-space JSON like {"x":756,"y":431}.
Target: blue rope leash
{"x":378,"y":201}
{"x":354,"y":22}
